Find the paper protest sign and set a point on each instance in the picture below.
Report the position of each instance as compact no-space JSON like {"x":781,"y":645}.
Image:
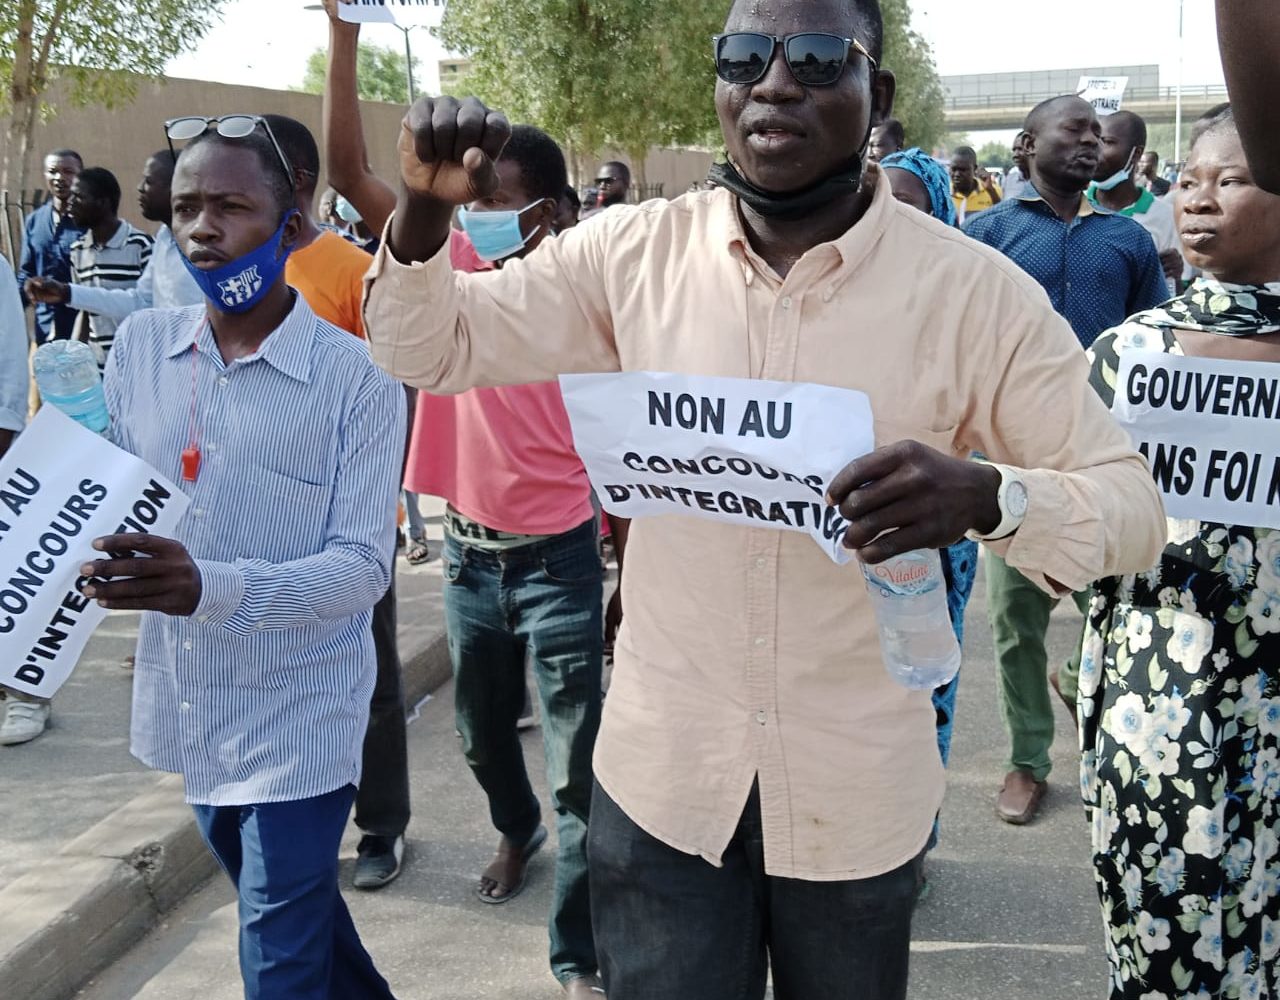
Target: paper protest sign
{"x":1210,"y":430}
{"x":62,"y":486}
{"x":1105,"y":93}
{"x":740,"y":451}
{"x":402,"y":12}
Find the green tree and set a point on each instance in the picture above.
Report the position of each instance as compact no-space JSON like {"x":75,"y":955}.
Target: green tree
{"x":996,"y":154}
{"x":99,"y":48}
{"x":380,"y":74}
{"x":920,"y":104}
{"x":627,"y":74}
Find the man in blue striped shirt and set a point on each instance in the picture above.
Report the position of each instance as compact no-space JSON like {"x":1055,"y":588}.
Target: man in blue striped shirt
{"x":255,"y":660}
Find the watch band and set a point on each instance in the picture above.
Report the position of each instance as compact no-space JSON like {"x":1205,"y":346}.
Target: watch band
{"x":1009,"y":520}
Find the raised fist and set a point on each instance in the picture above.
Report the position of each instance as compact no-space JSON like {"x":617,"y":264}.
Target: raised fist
{"x":447,"y":149}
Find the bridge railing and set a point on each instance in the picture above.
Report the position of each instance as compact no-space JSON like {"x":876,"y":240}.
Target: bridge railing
{"x":1203,"y":92}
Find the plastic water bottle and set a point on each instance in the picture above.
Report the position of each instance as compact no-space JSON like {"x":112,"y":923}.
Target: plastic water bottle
{"x":909,"y":595}
{"x":67,"y":374}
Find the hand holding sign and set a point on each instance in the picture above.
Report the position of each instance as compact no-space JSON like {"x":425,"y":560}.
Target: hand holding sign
{"x":165,"y":578}
{"x":909,"y":496}
{"x":447,"y":148}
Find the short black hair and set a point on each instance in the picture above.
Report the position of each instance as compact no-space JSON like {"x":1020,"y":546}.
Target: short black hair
{"x":622,"y":168}
{"x":1134,"y":126}
{"x":571,"y":196}
{"x":1218,"y":119}
{"x":165,"y":156}
{"x":1037,"y":115}
{"x":543,"y":173}
{"x":298,"y":143}
{"x":964,"y":151}
{"x":69,"y":154}
{"x":893,"y":128}
{"x":101,"y":184}
{"x":273,"y":171}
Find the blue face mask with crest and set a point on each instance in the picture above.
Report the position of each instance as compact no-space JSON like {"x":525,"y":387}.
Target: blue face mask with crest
{"x":496,"y":235}
{"x":239,"y":285}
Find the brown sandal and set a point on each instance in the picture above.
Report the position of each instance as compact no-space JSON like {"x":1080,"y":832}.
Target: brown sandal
{"x":501,"y":864}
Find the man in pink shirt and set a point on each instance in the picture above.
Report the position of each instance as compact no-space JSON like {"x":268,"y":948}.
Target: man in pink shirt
{"x":523,"y":577}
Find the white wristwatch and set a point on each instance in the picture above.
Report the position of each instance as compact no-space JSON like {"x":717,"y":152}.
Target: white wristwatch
{"x":1012,"y":498}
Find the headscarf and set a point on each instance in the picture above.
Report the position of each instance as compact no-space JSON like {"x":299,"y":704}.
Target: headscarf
{"x":932,"y":174}
{"x":1216,"y":307}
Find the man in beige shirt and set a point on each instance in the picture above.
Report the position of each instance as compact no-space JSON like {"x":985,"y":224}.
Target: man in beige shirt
{"x":765,"y":789}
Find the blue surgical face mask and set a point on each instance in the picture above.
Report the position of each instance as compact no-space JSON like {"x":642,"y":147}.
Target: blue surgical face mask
{"x":496,"y":235}
{"x":346,"y":211}
{"x":1118,"y":178}
{"x":239,"y":285}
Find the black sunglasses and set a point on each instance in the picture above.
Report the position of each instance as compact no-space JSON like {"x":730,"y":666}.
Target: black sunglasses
{"x":815,"y":58}
{"x":229,"y":127}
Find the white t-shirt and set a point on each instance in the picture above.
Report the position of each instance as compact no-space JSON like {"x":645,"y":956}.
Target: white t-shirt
{"x":1158,"y":220}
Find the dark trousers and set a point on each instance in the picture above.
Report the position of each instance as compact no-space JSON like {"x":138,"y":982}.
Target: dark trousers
{"x":542,"y":600}
{"x":382,"y":802}
{"x":671,"y":926}
{"x":297,"y":941}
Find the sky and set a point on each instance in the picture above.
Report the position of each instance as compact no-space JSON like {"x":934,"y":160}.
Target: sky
{"x":266,"y":42}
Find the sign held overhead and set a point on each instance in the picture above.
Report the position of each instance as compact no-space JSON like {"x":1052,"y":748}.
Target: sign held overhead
{"x":402,"y":12}
{"x":1105,"y":93}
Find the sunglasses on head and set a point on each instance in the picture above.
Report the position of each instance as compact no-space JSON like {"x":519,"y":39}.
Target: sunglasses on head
{"x":229,"y":127}
{"x":815,"y":58}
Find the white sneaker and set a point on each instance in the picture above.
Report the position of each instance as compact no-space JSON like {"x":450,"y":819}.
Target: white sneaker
{"x":23,"y":721}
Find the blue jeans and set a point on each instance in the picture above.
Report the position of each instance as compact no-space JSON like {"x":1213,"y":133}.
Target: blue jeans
{"x":543,"y":600}
{"x":417,"y":524}
{"x":297,"y":941}
{"x":671,"y":926}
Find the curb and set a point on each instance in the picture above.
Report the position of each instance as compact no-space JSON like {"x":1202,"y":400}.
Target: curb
{"x":73,"y":915}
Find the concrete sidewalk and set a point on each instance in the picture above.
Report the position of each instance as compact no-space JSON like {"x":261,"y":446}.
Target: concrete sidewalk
{"x":1011,"y":912}
{"x":94,"y":848}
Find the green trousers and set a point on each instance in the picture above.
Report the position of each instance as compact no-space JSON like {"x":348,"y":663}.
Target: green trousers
{"x":1019,"y":614}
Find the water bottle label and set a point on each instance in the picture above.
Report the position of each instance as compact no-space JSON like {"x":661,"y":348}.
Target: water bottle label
{"x":904,"y":577}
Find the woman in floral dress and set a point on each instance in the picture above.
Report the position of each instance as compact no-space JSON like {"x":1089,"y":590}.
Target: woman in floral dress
{"x":1180,"y":674}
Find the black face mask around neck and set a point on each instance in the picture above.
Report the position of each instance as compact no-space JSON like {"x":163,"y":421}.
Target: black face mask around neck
{"x":794,"y":205}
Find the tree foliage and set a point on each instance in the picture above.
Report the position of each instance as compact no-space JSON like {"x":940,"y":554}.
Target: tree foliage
{"x":625,"y":74}
{"x":920,"y":104}
{"x":380,"y":73}
{"x":98,"y":48}
{"x":996,"y":154}
{"x":632,"y":74}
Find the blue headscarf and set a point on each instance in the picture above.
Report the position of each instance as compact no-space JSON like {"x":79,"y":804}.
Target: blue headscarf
{"x":932,"y":174}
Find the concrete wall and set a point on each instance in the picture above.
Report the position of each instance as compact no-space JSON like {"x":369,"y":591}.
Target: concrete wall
{"x":122,"y":140}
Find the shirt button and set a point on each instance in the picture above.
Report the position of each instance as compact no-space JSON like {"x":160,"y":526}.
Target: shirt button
{"x":185,"y":706}
{"x":760,"y":642}
{"x":222,"y":380}
{"x":762,"y":718}
{"x":186,"y":644}
{"x":203,"y":619}
{"x":786,"y":303}
{"x":761,"y":563}
{"x":197,"y":512}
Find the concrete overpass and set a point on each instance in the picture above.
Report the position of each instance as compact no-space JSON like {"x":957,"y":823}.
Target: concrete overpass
{"x":1156,"y":105}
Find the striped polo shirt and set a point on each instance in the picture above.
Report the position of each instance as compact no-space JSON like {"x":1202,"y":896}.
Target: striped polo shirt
{"x":118,"y":263}
{"x":262,"y":695}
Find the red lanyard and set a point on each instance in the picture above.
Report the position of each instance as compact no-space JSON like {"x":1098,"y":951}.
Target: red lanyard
{"x":191,"y":455}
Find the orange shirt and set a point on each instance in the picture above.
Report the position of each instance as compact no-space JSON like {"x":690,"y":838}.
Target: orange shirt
{"x":329,"y":274}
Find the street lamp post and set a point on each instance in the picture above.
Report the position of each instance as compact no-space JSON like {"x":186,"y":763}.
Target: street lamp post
{"x":408,"y":50}
{"x":1177,"y":114}
{"x":408,"y":60}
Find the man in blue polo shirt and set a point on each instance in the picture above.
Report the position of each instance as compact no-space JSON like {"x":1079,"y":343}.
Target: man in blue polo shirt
{"x":1098,"y":268}
{"x":47,"y":237}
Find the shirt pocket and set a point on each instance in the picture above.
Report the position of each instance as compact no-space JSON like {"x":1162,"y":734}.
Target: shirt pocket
{"x":941,"y":439}
{"x":291,"y":520}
